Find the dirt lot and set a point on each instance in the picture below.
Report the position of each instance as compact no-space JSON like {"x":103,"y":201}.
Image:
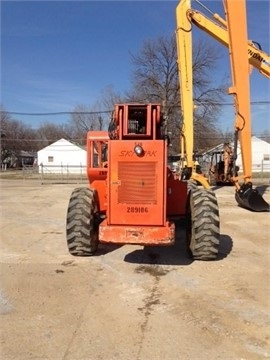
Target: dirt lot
{"x":129,"y":302}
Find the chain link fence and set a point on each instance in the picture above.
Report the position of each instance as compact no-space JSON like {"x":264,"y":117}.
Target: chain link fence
{"x":62,"y":173}
{"x":52,"y":174}
{"x":76,"y":174}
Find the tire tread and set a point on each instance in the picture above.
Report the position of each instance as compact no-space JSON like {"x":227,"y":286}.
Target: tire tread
{"x":81,"y":230}
{"x":204,"y":223}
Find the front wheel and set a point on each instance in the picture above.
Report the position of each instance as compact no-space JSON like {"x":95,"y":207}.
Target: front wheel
{"x":81,"y":225}
{"x":203,"y":224}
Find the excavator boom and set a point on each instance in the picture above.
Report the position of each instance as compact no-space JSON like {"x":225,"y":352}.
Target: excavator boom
{"x":218,"y":30}
{"x":184,"y":59}
{"x":246,"y":196}
{"x":243,"y":53}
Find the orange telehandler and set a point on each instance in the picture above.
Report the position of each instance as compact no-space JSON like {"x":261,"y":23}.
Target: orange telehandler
{"x":243,"y":54}
{"x":133,"y":196}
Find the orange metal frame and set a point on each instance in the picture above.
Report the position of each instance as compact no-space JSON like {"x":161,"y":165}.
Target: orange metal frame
{"x":137,"y":193}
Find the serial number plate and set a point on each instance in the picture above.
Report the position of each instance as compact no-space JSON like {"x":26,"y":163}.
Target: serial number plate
{"x":137,"y":209}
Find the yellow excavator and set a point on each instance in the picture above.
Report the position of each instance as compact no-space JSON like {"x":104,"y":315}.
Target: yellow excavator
{"x":244,"y":54}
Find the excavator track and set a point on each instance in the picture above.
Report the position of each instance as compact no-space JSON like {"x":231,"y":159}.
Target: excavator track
{"x":203,"y":224}
{"x":81,"y":228}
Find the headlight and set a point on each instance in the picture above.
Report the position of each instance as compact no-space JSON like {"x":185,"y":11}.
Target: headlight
{"x":138,"y":150}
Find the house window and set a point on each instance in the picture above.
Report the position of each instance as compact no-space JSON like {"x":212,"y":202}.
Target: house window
{"x":50,"y":158}
{"x":266,"y":157}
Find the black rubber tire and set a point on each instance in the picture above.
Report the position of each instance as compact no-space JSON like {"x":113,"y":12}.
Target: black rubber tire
{"x":203,"y":224}
{"x":81,"y":227}
{"x":191,"y":185}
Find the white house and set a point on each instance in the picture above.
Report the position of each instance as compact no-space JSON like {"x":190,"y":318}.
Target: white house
{"x":260,"y":150}
{"x":260,"y":155}
{"x":62,"y":156}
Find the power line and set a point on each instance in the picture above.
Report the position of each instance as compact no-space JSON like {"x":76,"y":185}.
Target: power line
{"x":262,"y":102}
{"x":218,"y":137}
{"x":58,"y":113}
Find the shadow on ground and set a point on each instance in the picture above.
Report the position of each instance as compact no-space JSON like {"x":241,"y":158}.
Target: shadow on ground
{"x":104,"y":249}
{"x":177,"y":254}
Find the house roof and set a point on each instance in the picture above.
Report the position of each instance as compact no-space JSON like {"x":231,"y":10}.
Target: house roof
{"x":27,"y":154}
{"x":220,"y":147}
{"x":62,"y":144}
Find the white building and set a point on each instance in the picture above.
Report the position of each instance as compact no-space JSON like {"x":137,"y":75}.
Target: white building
{"x":260,"y":155}
{"x":62,"y":157}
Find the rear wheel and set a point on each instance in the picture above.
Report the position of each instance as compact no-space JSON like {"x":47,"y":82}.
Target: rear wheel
{"x":202,"y":224}
{"x":81,"y":225}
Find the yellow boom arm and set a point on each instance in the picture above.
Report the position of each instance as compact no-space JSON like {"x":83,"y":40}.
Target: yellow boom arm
{"x":218,"y":30}
{"x":243,"y":53}
{"x":185,"y":17}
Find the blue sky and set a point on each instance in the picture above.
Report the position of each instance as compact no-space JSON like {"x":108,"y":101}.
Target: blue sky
{"x":59,"y":54}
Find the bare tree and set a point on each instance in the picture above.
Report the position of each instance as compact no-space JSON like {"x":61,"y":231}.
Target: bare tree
{"x":155,"y":79}
{"x":95,"y":117}
{"x":109,"y":97}
{"x":85,"y":118}
{"x":155,"y":72}
{"x":15,"y":137}
{"x":49,"y":132}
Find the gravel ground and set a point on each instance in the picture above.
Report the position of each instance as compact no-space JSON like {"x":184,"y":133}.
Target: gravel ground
{"x":129,"y":302}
